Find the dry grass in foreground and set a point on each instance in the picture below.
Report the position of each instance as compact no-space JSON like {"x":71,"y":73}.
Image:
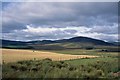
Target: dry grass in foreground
{"x":13,"y":55}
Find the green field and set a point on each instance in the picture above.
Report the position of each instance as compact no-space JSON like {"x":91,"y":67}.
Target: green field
{"x":96,"y":52}
{"x":61,"y":69}
{"x":106,"y":66}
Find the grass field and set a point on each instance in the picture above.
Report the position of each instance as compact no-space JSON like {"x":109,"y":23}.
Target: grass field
{"x":74,"y":64}
{"x":80,"y":68}
{"x":96,"y":52}
{"x":14,"y":55}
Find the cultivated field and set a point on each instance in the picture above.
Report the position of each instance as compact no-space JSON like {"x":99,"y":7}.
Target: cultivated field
{"x":13,"y":55}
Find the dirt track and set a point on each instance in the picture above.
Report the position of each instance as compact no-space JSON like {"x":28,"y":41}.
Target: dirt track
{"x":13,"y":55}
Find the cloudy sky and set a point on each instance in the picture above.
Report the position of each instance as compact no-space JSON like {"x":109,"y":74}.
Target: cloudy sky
{"x":59,"y":20}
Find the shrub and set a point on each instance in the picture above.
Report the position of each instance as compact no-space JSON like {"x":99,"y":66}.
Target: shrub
{"x":59,"y":69}
{"x":62,"y":62}
{"x":99,"y":73}
{"x":15,"y":66}
{"x":47,"y":59}
{"x":34,"y":69}
{"x":23,"y":68}
{"x":71,"y":68}
{"x":59,"y":65}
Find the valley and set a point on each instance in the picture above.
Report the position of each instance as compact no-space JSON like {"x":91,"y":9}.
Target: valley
{"x":76,"y":57}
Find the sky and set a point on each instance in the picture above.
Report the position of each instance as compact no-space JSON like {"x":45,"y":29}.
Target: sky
{"x":26,"y":21}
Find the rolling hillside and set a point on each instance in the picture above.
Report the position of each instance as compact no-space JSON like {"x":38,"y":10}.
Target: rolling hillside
{"x":14,"y":44}
{"x":85,"y":40}
{"x":75,"y":42}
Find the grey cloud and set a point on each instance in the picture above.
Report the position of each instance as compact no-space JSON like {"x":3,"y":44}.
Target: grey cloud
{"x":105,"y":29}
{"x":108,"y":37}
{"x":70,"y":31}
{"x":17,"y":15}
{"x":12,"y":26}
{"x":61,"y":13}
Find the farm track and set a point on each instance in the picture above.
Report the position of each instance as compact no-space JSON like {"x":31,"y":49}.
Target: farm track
{"x":13,"y":55}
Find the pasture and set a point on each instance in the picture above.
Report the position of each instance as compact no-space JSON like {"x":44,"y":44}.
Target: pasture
{"x":14,"y":55}
{"x":47,"y":68}
{"x":73,"y":63}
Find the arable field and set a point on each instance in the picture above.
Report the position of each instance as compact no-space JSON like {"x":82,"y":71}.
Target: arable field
{"x":14,"y":55}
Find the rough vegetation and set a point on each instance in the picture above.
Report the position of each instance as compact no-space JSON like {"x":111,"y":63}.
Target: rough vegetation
{"x":47,"y":68}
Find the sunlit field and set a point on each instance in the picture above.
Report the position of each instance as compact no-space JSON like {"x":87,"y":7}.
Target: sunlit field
{"x":60,"y":64}
{"x":14,"y":55}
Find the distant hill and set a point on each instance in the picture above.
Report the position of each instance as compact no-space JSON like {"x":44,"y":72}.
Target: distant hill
{"x":14,"y":44}
{"x":115,"y":43}
{"x":41,"y":42}
{"x":85,"y":40}
{"x":9,"y":42}
{"x":75,"y":42}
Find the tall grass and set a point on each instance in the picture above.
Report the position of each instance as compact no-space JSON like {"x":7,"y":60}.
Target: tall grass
{"x":47,"y":68}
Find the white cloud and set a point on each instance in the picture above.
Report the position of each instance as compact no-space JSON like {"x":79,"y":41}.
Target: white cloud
{"x":38,"y":33}
{"x":39,"y":30}
{"x":59,"y":20}
{"x":61,"y":14}
{"x":48,"y":30}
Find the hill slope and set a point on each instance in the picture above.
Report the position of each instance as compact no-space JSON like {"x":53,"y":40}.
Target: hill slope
{"x":75,"y":42}
{"x":14,"y":44}
{"x":85,"y":40}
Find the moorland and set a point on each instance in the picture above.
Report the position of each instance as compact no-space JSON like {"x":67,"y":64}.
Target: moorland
{"x":78,"y":57}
